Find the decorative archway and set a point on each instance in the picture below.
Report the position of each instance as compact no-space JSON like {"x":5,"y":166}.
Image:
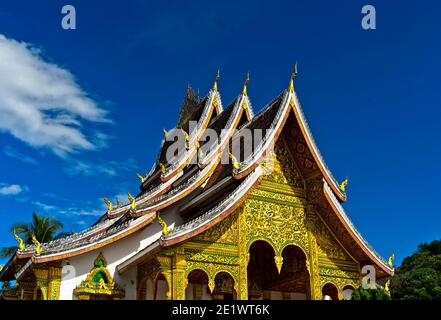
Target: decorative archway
{"x":277,"y":277}
{"x":197,"y":286}
{"x":330,"y":292}
{"x":347,"y":292}
{"x":161,"y":291}
{"x":145,"y":289}
{"x":224,"y":288}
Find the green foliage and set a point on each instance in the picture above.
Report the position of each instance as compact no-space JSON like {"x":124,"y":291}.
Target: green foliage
{"x":370,"y":294}
{"x":45,"y":229}
{"x":419,"y":276}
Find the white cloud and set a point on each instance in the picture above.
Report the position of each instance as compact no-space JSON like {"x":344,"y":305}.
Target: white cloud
{"x":11,"y":189}
{"x":41,"y":103}
{"x":104,"y":168}
{"x":44,"y":206}
{"x":12,"y":153}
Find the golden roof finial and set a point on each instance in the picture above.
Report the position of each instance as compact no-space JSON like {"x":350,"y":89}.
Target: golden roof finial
{"x":390,"y":260}
{"x":161,"y":165}
{"x":216,"y":80}
{"x":109,"y":204}
{"x":132,"y":201}
{"x":140,"y":177}
{"x":163,"y":224}
{"x":244,"y":90}
{"x":344,"y":184}
{"x":165,"y":132}
{"x":21,"y":244}
{"x":236,"y":164}
{"x":36,"y":244}
{"x":293,"y":76}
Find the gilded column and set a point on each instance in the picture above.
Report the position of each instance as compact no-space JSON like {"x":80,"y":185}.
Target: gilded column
{"x":178,"y":275}
{"x":242,"y":288}
{"x":165,"y":263}
{"x":54,"y":283}
{"x":41,"y":276}
{"x":313,"y":267}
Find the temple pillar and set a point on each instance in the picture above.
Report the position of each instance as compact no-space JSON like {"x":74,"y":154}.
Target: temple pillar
{"x":242,"y":286}
{"x":41,"y":276}
{"x":178,"y":275}
{"x":313,"y":267}
{"x":165,"y":268}
{"x":54,"y":283}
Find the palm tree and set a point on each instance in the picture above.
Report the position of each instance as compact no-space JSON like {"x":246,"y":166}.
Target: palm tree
{"x":45,"y":229}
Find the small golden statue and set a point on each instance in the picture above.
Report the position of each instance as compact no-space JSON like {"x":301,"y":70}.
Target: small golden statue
{"x":132,"y":201}
{"x":21,"y":244}
{"x":387,"y":286}
{"x":36,"y":244}
{"x":344,"y":184}
{"x":109,"y":204}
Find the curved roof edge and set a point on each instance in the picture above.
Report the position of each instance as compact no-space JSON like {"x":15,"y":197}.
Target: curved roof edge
{"x":347,"y":223}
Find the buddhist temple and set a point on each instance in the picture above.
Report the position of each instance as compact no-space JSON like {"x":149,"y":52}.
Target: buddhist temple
{"x":254,"y":213}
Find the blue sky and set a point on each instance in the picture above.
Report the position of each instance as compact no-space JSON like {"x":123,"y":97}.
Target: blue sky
{"x":371,"y":98}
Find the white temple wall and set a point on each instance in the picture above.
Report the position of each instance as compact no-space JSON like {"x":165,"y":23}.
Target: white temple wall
{"x":77,"y":268}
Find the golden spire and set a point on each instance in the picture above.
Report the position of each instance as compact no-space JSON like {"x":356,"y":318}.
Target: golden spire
{"x":344,"y":184}
{"x":140,"y":177}
{"x":163,"y":224}
{"x":132,"y":201}
{"x":109,"y":204}
{"x":293,"y":76}
{"x":244,"y":90}
{"x":21,"y":244}
{"x":165,"y":132}
{"x":1,"y":268}
{"x":36,"y":244}
{"x":390,"y":260}
{"x":216,"y":80}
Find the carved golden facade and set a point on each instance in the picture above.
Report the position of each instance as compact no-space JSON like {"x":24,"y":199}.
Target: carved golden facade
{"x":277,"y":213}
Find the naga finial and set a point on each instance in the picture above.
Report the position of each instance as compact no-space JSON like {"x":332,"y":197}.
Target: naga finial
{"x":244,"y":90}
{"x":163,"y":224}
{"x":293,"y":76}
{"x":37,"y":244}
{"x":132,"y":201}
{"x":109,"y":204}
{"x":21,"y":244}
{"x":216,"y":80}
{"x":165,"y":132}
{"x":163,"y":170}
{"x":390,"y":260}
{"x":236,"y":164}
{"x":140,"y":177}
{"x":344,"y":184}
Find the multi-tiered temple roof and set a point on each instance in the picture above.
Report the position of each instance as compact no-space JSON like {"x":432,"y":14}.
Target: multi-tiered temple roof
{"x":205,"y":189}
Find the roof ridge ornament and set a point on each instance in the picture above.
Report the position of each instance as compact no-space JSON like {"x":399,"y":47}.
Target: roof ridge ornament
{"x":344,"y":184}
{"x":21,"y":244}
{"x":36,"y":244}
{"x":109,"y":204}
{"x":216,"y":80}
{"x":132,"y":201}
{"x":294,"y":74}
{"x":390,"y":260}
{"x":163,"y":224}
{"x":244,"y":90}
{"x":140,"y":177}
